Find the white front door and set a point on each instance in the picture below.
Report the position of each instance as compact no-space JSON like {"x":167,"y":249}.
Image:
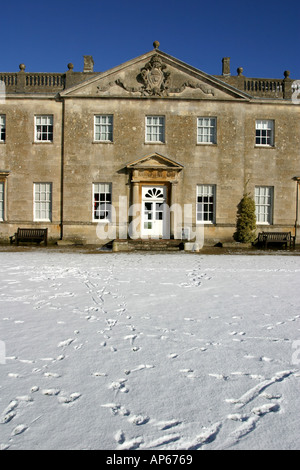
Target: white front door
{"x":153,"y":211}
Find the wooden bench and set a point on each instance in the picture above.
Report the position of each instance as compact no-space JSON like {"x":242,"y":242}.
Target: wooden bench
{"x":283,"y":238}
{"x":37,"y":235}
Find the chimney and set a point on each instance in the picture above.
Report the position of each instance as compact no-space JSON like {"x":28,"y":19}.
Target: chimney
{"x":88,"y":63}
{"x":226,"y":66}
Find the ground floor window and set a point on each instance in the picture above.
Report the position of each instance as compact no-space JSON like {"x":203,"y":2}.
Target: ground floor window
{"x":264,"y":204}
{"x":1,"y":201}
{"x":43,"y":202}
{"x":102,"y":202}
{"x":206,"y":195}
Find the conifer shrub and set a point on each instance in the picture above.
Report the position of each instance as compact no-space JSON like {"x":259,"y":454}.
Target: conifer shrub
{"x":246,"y":220}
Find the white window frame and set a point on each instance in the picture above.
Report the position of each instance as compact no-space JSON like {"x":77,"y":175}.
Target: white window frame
{"x":155,"y":129}
{"x":264,"y":132}
{"x":42,"y":205}
{"x":264,"y":197}
{"x":2,"y":128}
{"x":43,"y":127}
{"x":102,"y":204}
{"x":2,"y":195}
{"x":207,"y":130}
{"x":206,"y":210}
{"x":103,"y":128}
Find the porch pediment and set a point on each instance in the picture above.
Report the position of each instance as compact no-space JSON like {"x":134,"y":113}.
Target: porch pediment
{"x":155,"y":161}
{"x":154,"y":167}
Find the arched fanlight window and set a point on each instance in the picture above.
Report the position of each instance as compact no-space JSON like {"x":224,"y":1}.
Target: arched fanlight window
{"x":155,"y":193}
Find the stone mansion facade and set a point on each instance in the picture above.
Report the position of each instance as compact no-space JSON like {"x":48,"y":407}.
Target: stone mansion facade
{"x":108,"y":155}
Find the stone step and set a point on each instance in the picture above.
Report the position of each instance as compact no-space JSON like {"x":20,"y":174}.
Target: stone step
{"x":147,"y":245}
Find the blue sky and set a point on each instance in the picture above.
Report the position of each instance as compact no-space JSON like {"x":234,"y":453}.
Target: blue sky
{"x":261,"y":37}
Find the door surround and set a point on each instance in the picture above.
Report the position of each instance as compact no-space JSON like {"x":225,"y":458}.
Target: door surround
{"x":157,"y":171}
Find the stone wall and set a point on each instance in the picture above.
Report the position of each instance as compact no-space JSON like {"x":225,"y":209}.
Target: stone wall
{"x":74,"y":161}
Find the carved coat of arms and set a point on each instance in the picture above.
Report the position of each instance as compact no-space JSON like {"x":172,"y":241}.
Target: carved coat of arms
{"x":155,"y":77}
{"x":154,"y":80}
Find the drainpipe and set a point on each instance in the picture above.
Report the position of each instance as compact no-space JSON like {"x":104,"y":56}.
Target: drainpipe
{"x":297,"y":179}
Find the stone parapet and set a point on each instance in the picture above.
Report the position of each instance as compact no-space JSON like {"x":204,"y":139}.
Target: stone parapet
{"x":29,"y":82}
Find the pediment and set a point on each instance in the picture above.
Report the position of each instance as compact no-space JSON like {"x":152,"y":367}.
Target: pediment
{"x":155,"y":75}
{"x":155,"y":161}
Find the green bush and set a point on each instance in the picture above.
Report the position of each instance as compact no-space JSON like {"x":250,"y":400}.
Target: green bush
{"x":246,"y":220}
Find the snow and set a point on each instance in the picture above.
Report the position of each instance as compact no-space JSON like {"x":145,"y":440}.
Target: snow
{"x":163,"y":351}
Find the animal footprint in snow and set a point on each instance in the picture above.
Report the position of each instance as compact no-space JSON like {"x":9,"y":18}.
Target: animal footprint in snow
{"x":264,"y":409}
{"x":219,"y":376}
{"x":141,"y":367}
{"x":120,"y":437}
{"x":8,"y":414}
{"x":188,"y":373}
{"x":119,"y":386}
{"x":131,"y":338}
{"x":99,"y":374}
{"x":172,"y":355}
{"x":19,"y":429}
{"x":117,"y":409}
{"x":132,"y":444}
{"x":69,"y":399}
{"x":51,"y":374}
{"x":51,"y":392}
{"x":138,"y":420}
{"x":164,"y":425}
{"x":65,"y":343}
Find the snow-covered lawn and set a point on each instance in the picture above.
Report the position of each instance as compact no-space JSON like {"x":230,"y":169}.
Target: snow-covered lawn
{"x":149,"y":351}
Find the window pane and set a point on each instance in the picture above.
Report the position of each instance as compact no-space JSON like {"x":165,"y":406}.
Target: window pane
{"x":206,"y":130}
{"x":2,"y":128}
{"x":205,"y":203}
{"x":263,"y":204}
{"x":264,"y":133}
{"x":103,"y":130}
{"x":44,"y":128}
{"x":43,"y":201}
{"x":102,"y":201}
{"x":1,"y":201}
{"x":155,"y":129}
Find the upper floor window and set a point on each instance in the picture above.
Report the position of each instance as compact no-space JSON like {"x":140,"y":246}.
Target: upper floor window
{"x":1,"y":201}
{"x":43,"y":202}
{"x":44,"y":129}
{"x":103,"y":130}
{"x":102,"y":202}
{"x":264,"y":133}
{"x":155,"y":129}
{"x":207,"y":130}
{"x":206,"y":202}
{"x":2,"y":128}
{"x":264,"y":204}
